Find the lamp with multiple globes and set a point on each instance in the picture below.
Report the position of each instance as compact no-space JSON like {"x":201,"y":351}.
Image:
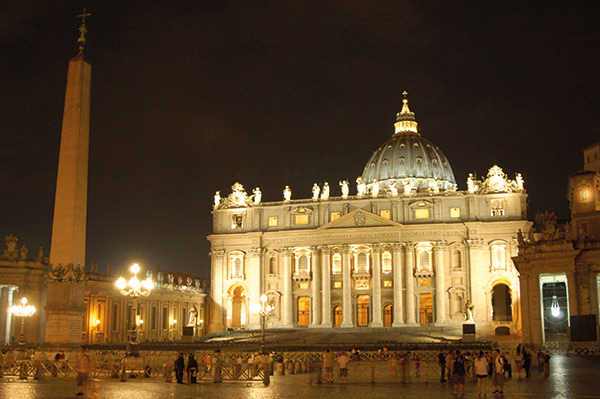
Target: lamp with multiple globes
{"x":23,"y":311}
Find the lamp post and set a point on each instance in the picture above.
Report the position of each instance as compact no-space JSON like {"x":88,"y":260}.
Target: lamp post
{"x":134,"y":288}
{"x":264,"y":311}
{"x":172,"y":329}
{"x":22,"y":311}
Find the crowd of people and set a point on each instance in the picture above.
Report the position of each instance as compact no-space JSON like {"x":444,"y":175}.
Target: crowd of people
{"x":454,"y":366}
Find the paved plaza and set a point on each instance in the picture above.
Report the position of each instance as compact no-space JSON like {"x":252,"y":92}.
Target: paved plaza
{"x":571,"y":377}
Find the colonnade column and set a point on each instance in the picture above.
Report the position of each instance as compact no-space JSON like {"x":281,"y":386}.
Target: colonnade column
{"x":316,"y":287}
{"x":440,"y":290}
{"x":287,"y":288}
{"x":398,"y":288}
{"x":376,"y":292}
{"x":410,"y":283}
{"x":254,"y":275}
{"x":346,"y":288}
{"x":218,"y":275}
{"x":326,"y":303}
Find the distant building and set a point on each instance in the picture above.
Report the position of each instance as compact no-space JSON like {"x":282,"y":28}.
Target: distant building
{"x":559,"y":271}
{"x":407,"y":249}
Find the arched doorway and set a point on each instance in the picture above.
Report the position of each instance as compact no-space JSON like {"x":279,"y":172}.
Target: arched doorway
{"x":363,"y":303}
{"x":501,"y":303}
{"x":236,"y":316}
{"x":303,"y":311}
{"x":338,"y":316}
{"x":388,"y":315}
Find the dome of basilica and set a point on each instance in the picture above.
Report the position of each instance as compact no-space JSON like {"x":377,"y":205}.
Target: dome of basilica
{"x":408,"y":162}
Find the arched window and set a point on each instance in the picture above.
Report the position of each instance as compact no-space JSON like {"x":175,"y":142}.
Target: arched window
{"x":273,"y":265}
{"x":456,"y":259}
{"x":498,"y":256}
{"x":237,"y":264}
{"x":361,"y":263}
{"x":338,"y":316}
{"x":388,"y":315}
{"x":303,"y":268}
{"x":424,"y":259}
{"x":336,"y":267}
{"x":386,"y":263}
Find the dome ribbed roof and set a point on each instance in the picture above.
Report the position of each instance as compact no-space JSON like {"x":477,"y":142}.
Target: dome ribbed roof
{"x":408,"y":158}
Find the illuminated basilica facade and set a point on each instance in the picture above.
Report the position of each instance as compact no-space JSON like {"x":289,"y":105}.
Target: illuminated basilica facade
{"x":408,"y":249}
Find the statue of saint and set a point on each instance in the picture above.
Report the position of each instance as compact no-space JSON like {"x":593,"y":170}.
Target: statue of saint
{"x":520,"y":238}
{"x":375,"y":188}
{"x":360,"y":187}
{"x":407,"y":187}
{"x":470,"y":184}
{"x":469,"y":312}
{"x":519,"y":180}
{"x":193,"y":318}
{"x":315,"y":191}
{"x":394,"y":189}
{"x":569,"y":236}
{"x":217,"y":199}
{"x":325,"y":193}
{"x":257,"y":196}
{"x":345,"y":189}
{"x":287,"y":193}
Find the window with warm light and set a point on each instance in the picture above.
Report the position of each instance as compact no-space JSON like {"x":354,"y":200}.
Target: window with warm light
{"x":237,"y":264}
{"x":387,"y":283}
{"x":336,"y":267}
{"x":386,"y":214}
{"x":424,"y":259}
{"x":335,"y":216}
{"x":386,"y":263}
{"x":301,"y":219}
{"x":273,"y":221}
{"x":422,"y":213}
{"x":454,"y":213}
{"x":499,"y":256}
{"x":497,"y":207}
{"x":337,"y":284}
{"x":237,"y":221}
{"x":584,"y":194}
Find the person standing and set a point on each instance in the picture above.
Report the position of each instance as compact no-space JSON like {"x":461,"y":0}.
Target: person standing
{"x":458,"y":373}
{"x":519,"y":362}
{"x":83,"y":370}
{"x":343,"y":363}
{"x":442,"y":363}
{"x":481,"y":371}
{"x":328,"y":365}
{"x":179,"y":368}
{"x":507,"y":365}
{"x":527,"y":362}
{"x":540,"y":359}
{"x":498,"y":374}
{"x":449,"y":364}
{"x":192,"y":369}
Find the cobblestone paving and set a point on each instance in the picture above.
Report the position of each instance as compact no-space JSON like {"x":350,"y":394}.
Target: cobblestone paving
{"x":571,"y":377}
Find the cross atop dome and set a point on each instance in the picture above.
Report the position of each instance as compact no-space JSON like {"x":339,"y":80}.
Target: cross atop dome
{"x":405,"y":120}
{"x":82,"y":29}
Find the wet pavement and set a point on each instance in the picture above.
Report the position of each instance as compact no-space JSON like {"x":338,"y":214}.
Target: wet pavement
{"x":570,"y":377}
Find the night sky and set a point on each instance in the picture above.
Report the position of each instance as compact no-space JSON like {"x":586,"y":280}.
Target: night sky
{"x":188,"y":99}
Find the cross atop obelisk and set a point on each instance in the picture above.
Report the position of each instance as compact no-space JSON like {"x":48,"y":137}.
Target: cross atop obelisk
{"x":82,"y":29}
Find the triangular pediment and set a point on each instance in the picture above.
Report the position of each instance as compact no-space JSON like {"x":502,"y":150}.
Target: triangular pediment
{"x":359,"y":218}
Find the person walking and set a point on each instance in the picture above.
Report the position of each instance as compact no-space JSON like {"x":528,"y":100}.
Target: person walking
{"x":179,"y":368}
{"x":498,"y":374}
{"x":458,"y":373}
{"x":540,"y":359}
{"x":343,"y":363}
{"x":83,"y":370}
{"x":328,"y":365}
{"x":481,"y":371}
{"x":547,"y":364}
{"x":518,"y":363}
{"x":442,"y":363}
{"x":192,"y":369}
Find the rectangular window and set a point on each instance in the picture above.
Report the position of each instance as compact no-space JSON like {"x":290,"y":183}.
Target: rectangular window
{"x":497,"y":208}
{"x":387,"y":283}
{"x":273,"y":221}
{"x":335,"y":215}
{"x":422,"y":213}
{"x":454,"y":212}
{"x":115,"y":317}
{"x":154,"y":320}
{"x":386,"y":214}
{"x":237,"y":221}
{"x":337,"y":284}
{"x":165,"y":318}
{"x":303,"y":286}
{"x":301,"y":219}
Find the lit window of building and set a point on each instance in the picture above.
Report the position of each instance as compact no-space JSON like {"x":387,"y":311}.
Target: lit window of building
{"x":273,"y":221}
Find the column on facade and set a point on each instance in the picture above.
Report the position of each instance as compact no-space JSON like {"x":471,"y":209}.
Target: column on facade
{"x":398,"y":287}
{"x":572,"y":292}
{"x":5,"y":315}
{"x":346,"y":288}
{"x":219,"y":273}
{"x":410,"y":283}
{"x":316,"y":287}
{"x":440,"y":288}
{"x":287,"y":320}
{"x":376,"y":292}
{"x":254,"y":275}
{"x":326,"y":284}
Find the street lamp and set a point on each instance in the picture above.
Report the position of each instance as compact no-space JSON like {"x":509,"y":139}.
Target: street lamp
{"x":172,"y":328}
{"x":264,"y":311}
{"x":134,"y":288}
{"x":22,"y":311}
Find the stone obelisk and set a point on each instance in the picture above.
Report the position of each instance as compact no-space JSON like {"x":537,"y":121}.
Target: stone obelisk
{"x":65,"y":307}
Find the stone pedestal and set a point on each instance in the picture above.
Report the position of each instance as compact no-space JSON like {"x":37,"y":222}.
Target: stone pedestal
{"x":65,"y":310}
